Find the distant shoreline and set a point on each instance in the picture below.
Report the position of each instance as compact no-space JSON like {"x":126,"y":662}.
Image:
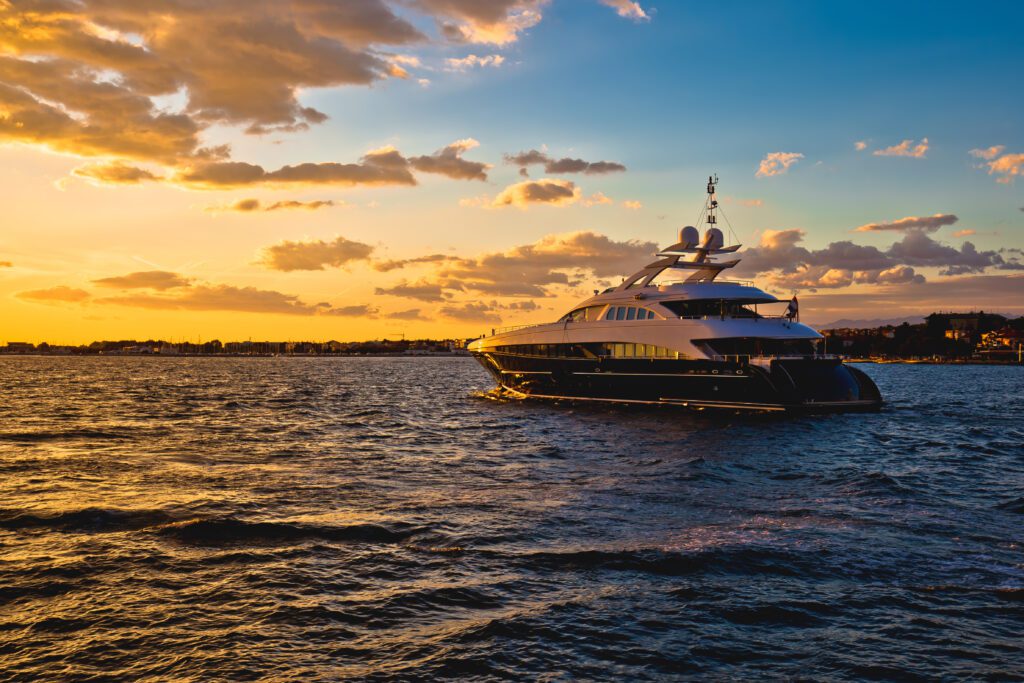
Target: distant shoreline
{"x":462,"y":354}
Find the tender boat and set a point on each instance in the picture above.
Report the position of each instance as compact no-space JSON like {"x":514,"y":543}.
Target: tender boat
{"x":698,"y":342}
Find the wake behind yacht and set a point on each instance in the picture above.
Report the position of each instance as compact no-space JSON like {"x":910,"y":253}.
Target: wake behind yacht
{"x":697,"y":342}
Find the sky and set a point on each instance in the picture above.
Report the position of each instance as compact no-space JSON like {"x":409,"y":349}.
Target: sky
{"x":318,"y":169}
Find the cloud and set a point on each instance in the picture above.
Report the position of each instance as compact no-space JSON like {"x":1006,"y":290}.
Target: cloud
{"x":6,"y":264}
{"x":252,"y":205}
{"x":230,"y":71}
{"x":517,"y":306}
{"x":598,"y":199}
{"x":357,"y":311}
{"x":55,"y":104}
{"x":151,"y":279}
{"x":380,"y":167}
{"x":917,"y":249}
{"x":385,"y":166}
{"x":385,"y":266}
{"x":421,"y":291}
{"x":907,"y":148}
{"x":988,"y":153}
{"x":470,"y":312}
{"x":844,"y":263}
{"x":496,"y":22}
{"x":313,"y":255}
{"x":1009,"y":166}
{"x":562,"y":166}
{"x":115,"y":173}
{"x":529,"y":270}
{"x":474,"y":61}
{"x":449,"y":162}
{"x":973,"y":292}
{"x":632,"y":204}
{"x":860,"y":145}
{"x":550,"y":191}
{"x":743,"y":202}
{"x":148,"y":81}
{"x":964,"y":233}
{"x":218,"y":298}
{"x":627,"y":9}
{"x":411,"y":314}
{"x":61,"y":293}
{"x":777,"y":163}
{"x":926,"y":223}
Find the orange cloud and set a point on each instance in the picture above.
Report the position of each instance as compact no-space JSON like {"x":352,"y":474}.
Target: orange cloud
{"x":777,"y":163}
{"x":253,"y":205}
{"x":526,"y":270}
{"x":219,"y":298}
{"x":907,"y":148}
{"x":484,"y":21}
{"x":1009,"y":166}
{"x":59,"y":294}
{"x":448,"y":161}
{"x":561,"y":166}
{"x":988,"y":153}
{"x":314,"y":255}
{"x":627,"y":9}
{"x":550,"y":191}
{"x":471,"y":61}
{"x":926,"y":223}
{"x":1006,"y":165}
{"x":115,"y":173}
{"x":153,"y":279}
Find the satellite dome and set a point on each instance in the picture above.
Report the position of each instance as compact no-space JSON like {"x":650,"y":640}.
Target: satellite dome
{"x":714,"y":239}
{"x":689,"y":237}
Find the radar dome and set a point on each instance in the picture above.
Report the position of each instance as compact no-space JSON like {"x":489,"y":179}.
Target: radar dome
{"x":714,"y":239}
{"x":689,"y":237}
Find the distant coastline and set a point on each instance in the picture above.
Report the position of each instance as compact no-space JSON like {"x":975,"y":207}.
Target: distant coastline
{"x":974,"y":338}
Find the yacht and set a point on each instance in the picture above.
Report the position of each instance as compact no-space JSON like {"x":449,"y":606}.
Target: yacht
{"x":675,"y":333}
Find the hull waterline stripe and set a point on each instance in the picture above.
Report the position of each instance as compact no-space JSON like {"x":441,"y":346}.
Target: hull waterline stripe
{"x":680,"y":402}
{"x":661,"y":374}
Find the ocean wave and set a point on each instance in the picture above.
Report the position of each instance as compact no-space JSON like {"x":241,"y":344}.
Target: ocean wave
{"x":722,"y":559}
{"x":66,"y":435}
{"x":88,"y":519}
{"x":232,"y":530}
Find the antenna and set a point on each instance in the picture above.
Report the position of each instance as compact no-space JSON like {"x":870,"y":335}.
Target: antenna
{"x":712,"y":201}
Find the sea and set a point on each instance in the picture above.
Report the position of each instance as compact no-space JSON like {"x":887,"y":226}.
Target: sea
{"x":371,"y":519}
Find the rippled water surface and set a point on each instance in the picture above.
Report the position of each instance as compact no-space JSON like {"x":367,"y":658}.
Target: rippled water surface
{"x":319,"y":519}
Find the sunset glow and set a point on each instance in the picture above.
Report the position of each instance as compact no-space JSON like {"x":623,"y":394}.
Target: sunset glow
{"x":324,"y":170}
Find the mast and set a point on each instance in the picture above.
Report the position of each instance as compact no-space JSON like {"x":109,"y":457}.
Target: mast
{"x":696,"y":250}
{"x":712,"y":205}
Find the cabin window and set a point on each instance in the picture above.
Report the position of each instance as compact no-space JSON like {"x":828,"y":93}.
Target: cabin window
{"x":630,"y":313}
{"x":754,"y":346}
{"x":708,"y":308}
{"x":620,"y":313}
{"x":626,"y":350}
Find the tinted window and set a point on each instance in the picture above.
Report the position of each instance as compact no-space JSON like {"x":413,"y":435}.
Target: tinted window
{"x":620,"y":313}
{"x":630,"y":313}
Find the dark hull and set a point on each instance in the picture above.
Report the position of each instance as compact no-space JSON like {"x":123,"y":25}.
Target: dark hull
{"x":803,"y":385}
